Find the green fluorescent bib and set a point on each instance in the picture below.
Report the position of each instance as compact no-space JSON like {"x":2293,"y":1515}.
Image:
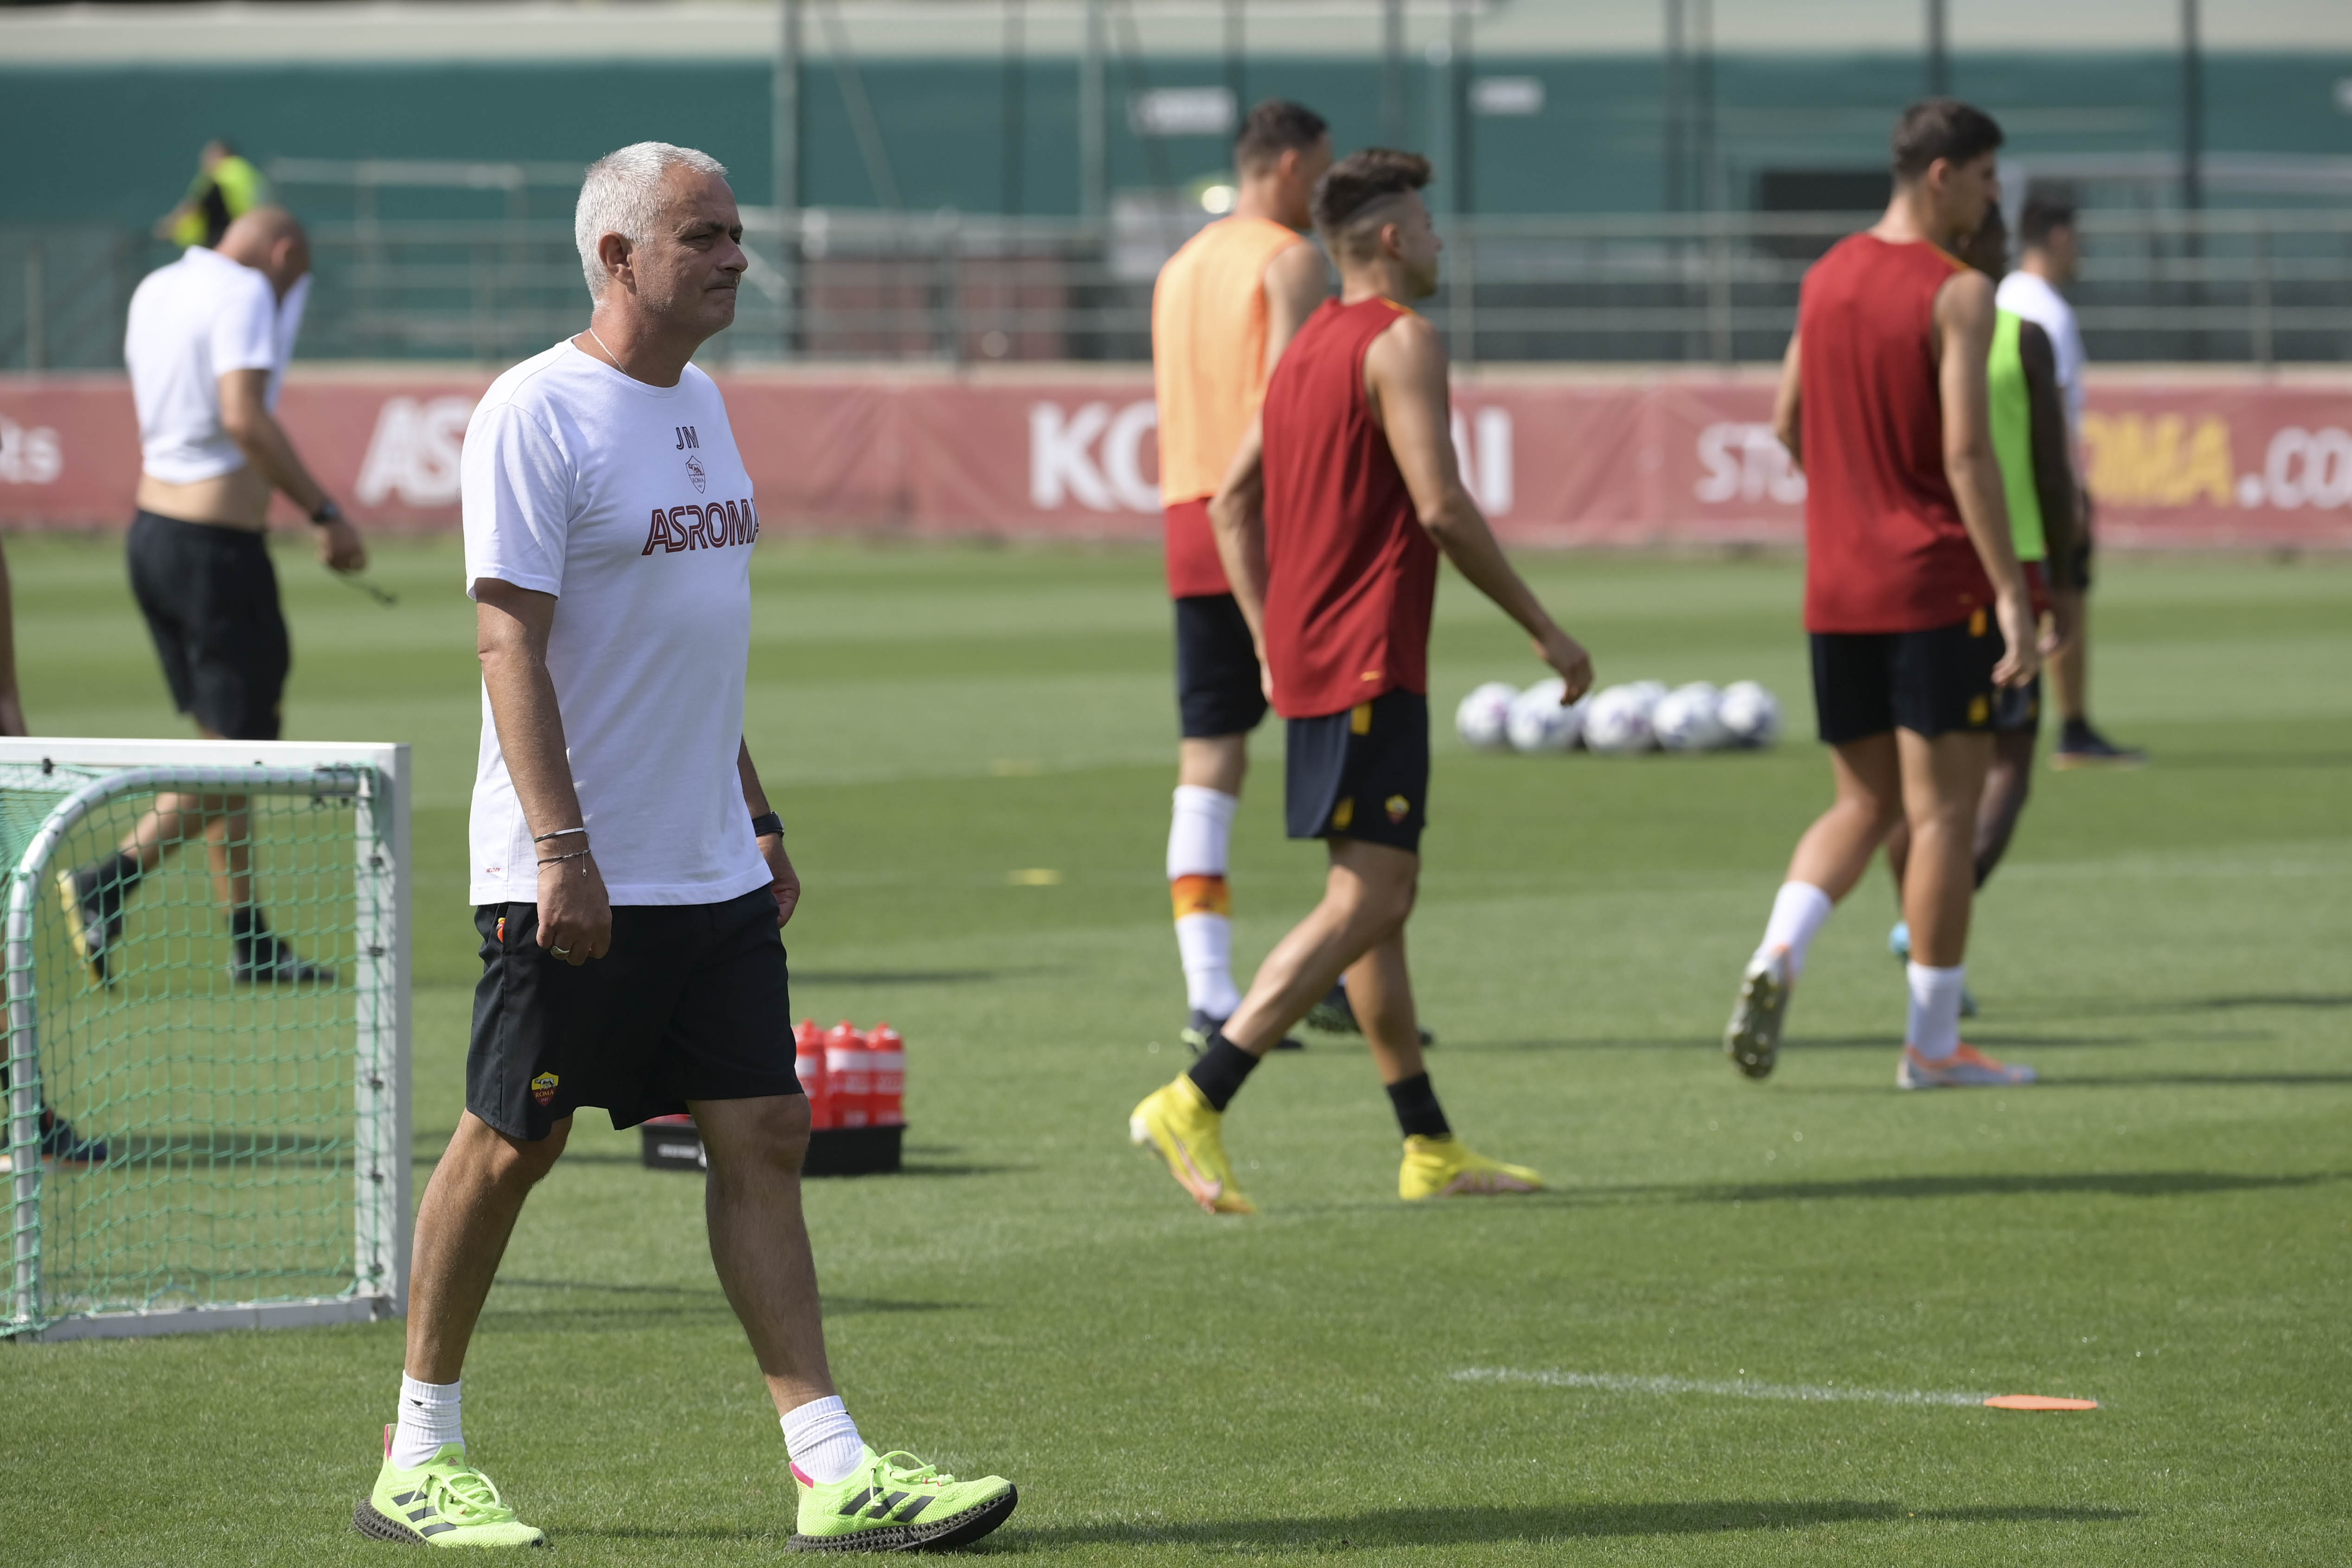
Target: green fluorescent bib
{"x":2012,"y":436}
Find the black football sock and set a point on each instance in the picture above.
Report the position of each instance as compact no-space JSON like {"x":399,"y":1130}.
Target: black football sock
{"x":2077,"y":732}
{"x":121,"y":872}
{"x":248,"y":931}
{"x":1221,"y":1070}
{"x":1417,"y":1110}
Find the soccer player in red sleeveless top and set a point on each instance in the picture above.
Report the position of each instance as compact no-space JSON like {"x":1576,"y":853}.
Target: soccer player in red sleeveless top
{"x":1329,"y":524}
{"x":1915,"y":603}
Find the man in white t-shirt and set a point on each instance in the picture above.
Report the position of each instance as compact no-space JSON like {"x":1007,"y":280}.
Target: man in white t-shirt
{"x":2052,"y":251}
{"x":206,"y":345}
{"x":629,"y":876}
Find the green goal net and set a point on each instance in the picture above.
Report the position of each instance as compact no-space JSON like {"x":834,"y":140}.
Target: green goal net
{"x":206,"y":1053}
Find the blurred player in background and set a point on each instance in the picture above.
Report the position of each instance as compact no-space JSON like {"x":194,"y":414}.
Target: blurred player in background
{"x":1222,"y":311}
{"x":1918,"y":611}
{"x":207,"y":344}
{"x":2051,"y":253}
{"x":2037,"y":477}
{"x":1329,"y":524}
{"x":629,"y":877}
{"x":226,"y":188}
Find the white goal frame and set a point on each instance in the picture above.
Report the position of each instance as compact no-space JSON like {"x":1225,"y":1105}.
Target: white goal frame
{"x":374,"y":777}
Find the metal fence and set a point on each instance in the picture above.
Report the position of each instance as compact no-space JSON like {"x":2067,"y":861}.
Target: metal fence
{"x":2261,"y":287}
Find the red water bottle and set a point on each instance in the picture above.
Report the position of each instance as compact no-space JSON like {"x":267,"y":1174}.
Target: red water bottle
{"x":886,"y":1054}
{"x":847,"y":1076}
{"x":808,"y":1066}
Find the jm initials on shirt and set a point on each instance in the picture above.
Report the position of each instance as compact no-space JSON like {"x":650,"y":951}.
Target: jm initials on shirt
{"x":692,"y":527}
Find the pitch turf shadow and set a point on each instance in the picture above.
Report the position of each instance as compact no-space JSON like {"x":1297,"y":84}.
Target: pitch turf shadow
{"x":682,"y":1300}
{"x":900,"y":976}
{"x":1455,"y":1526}
{"x":2121,"y":1184}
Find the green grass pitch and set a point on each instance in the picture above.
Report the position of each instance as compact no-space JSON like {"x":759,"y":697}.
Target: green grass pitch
{"x":2164,"y":1225}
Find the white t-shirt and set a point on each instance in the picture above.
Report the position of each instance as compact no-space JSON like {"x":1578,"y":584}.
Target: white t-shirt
{"x":629,"y":503}
{"x":2031,"y":297}
{"x":190,"y":323}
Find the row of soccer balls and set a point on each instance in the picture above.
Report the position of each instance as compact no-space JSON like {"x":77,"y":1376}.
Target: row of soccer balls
{"x":1641,"y":716}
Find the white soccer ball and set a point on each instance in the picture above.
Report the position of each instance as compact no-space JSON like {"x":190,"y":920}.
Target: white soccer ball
{"x":1686,"y":719}
{"x":1540,"y":723}
{"x":1750,"y":714}
{"x":1485,"y":716}
{"x":1618,"y":721}
{"x":1650,"y":693}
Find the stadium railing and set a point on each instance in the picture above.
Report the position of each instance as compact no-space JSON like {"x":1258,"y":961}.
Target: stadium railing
{"x":2240,"y":286}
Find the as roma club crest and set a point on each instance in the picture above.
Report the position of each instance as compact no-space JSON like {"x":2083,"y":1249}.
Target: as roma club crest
{"x":694,"y":471}
{"x":543,"y":1089}
{"x":1398,"y":807}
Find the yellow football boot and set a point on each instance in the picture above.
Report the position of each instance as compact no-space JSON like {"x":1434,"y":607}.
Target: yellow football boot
{"x":1445,"y":1168}
{"x":1177,"y":1123}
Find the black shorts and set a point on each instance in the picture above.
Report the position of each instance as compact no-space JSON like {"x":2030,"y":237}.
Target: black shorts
{"x":1930,"y":682}
{"x":210,"y":597}
{"x":1217,"y":687}
{"x":693,"y":1003}
{"x":1363,"y":774}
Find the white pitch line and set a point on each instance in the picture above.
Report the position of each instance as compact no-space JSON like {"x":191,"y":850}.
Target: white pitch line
{"x":1623,"y":1383}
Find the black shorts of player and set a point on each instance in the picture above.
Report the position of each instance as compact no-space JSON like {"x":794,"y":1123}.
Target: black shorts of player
{"x":1930,"y":682}
{"x":693,"y":1002}
{"x":1363,"y":774}
{"x":210,"y":597}
{"x":1217,"y":687}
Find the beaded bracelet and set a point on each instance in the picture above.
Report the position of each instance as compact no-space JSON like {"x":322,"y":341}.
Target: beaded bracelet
{"x":558,"y":859}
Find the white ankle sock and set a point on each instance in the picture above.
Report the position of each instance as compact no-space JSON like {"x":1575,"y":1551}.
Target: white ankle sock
{"x":823,"y":1441}
{"x":1797,"y":912}
{"x":1200,"y":841}
{"x":428,"y":1418}
{"x":1934,"y":1030}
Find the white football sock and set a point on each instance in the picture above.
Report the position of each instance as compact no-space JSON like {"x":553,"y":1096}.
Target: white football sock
{"x":1205,"y":944}
{"x":428,"y":1418}
{"x":1797,"y":912}
{"x":1200,"y":832}
{"x":1934,"y":1030}
{"x":823,"y":1441}
{"x":1199,"y":841}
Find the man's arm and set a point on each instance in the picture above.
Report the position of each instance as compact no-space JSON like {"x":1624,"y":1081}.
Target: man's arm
{"x":1237,"y":522}
{"x":1964,"y":321}
{"x":1404,"y":379}
{"x":783,"y":882}
{"x":2053,"y":473}
{"x":1295,"y":282}
{"x":244,"y":415}
{"x":510,"y":629}
{"x":1788,"y":409}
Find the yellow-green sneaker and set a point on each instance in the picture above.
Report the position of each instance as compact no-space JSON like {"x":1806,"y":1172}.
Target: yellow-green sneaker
{"x":1445,"y":1168}
{"x":443,"y":1503}
{"x":894,"y":1502}
{"x":1176,"y":1124}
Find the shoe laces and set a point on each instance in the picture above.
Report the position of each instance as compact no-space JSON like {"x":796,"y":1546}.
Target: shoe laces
{"x":465,"y":1496}
{"x":888,"y":1471}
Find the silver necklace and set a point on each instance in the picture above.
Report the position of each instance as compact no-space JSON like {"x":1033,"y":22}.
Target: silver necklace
{"x":608,"y":352}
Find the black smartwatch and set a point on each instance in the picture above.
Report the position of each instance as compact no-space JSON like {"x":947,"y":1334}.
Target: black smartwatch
{"x":327,"y":512}
{"x":767,"y":823}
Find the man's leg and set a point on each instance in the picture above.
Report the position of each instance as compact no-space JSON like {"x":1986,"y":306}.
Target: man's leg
{"x":2008,"y":782}
{"x":759,"y":1241}
{"x":1367,"y":894}
{"x":1209,"y":774}
{"x":2070,"y":667}
{"x":469,"y":1212}
{"x":1943,"y":785}
{"x":1829,"y":860}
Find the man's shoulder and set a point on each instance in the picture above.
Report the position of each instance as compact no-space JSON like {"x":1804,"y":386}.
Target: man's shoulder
{"x":534,"y":386}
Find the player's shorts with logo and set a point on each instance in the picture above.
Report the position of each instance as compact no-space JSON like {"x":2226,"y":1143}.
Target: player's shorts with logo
{"x":1218,"y":691}
{"x":1361,"y":774}
{"x":693,"y":1002}
{"x":1930,"y":682}
{"x":210,"y":597}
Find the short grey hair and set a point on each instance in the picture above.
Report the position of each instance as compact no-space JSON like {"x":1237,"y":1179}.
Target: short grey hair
{"x":622,"y":194}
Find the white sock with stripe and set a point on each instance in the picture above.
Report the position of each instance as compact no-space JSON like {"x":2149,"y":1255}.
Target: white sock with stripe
{"x":823,"y":1441}
{"x":1934,"y":1030}
{"x":429,"y":1417}
{"x":1199,"y":841}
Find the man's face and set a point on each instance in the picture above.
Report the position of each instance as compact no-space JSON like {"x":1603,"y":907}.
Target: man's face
{"x":689,"y":267}
{"x":2064,"y":248}
{"x":1300,"y":170}
{"x":1417,"y":246}
{"x":1963,"y":192}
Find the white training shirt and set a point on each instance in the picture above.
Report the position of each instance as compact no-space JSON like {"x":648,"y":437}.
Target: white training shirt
{"x":192,"y":322}
{"x":2032,"y":297}
{"x":630,"y":504}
